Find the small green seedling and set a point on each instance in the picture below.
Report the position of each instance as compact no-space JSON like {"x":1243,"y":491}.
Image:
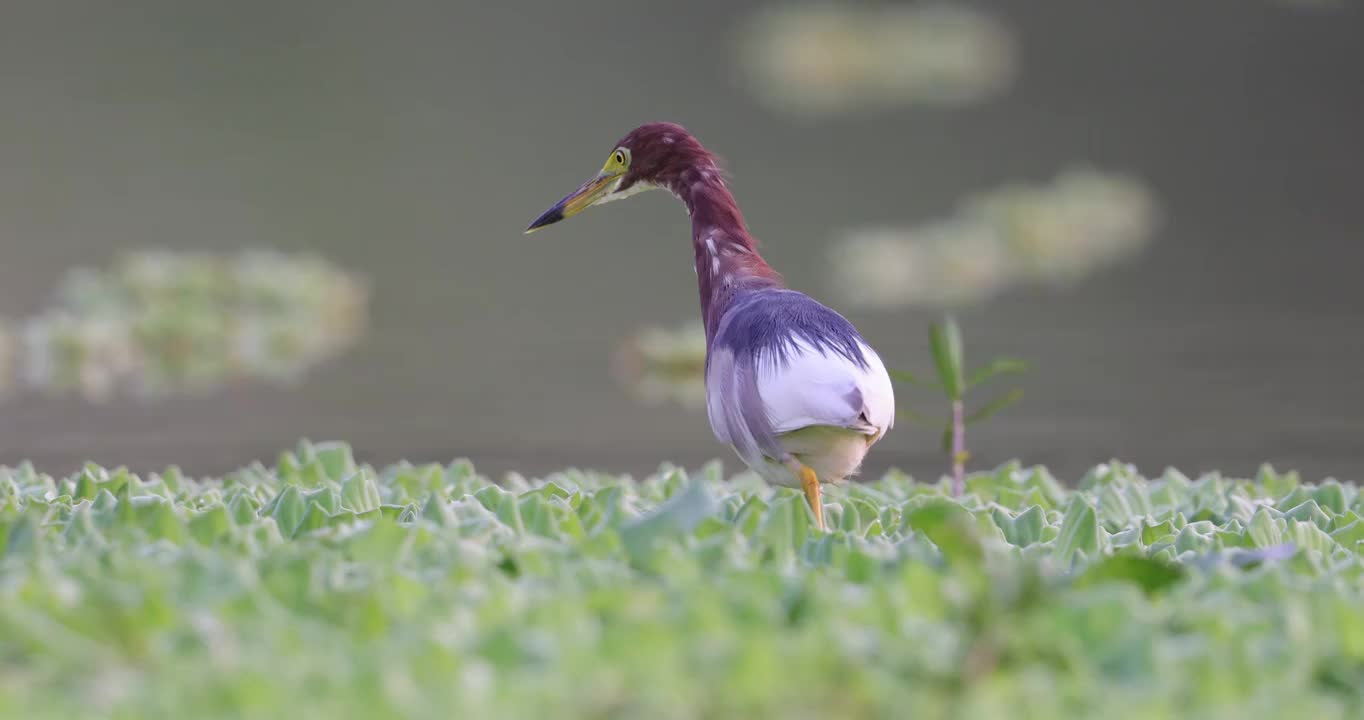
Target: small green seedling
{"x":948,"y":359}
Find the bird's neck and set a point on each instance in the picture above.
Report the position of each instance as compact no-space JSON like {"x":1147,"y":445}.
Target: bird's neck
{"x":727,"y":259}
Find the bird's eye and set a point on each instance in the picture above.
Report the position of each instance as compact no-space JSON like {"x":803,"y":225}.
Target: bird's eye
{"x":619,"y":157}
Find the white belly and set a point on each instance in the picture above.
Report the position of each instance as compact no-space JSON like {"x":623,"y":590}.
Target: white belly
{"x":835,"y":454}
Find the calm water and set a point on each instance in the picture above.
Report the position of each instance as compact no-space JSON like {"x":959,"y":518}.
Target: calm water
{"x":415,"y":141}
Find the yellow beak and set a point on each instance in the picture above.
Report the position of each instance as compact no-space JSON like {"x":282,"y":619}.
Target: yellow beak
{"x":576,"y":201}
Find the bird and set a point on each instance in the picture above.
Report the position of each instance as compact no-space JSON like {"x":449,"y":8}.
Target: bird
{"x":791,"y":386}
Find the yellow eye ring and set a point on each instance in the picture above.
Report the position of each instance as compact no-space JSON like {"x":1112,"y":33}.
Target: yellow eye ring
{"x":619,"y":157}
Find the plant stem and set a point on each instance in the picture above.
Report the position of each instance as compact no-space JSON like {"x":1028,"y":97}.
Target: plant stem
{"x":958,"y":448}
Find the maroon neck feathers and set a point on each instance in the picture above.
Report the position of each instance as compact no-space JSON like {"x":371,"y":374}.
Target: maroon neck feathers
{"x":727,"y":259}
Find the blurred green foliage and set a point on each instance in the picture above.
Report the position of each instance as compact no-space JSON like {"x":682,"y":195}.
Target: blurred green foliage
{"x":160,"y":321}
{"x":1051,"y":234}
{"x":326,"y":588}
{"x":817,"y":60}
{"x":664,"y":364}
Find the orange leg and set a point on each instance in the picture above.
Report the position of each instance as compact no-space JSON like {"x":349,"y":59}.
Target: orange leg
{"x":810,"y":483}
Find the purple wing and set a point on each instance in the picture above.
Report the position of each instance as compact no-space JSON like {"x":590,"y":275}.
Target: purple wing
{"x":781,"y":361}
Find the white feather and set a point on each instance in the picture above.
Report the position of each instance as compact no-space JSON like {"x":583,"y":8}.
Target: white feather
{"x":719,"y":389}
{"x":818,"y":388}
{"x":615,"y":193}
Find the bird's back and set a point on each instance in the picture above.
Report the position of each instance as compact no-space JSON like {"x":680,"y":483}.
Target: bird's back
{"x":781,"y":362}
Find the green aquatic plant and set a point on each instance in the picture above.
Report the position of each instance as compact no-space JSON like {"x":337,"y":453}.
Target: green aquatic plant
{"x":162,"y":321}
{"x":820,"y":59}
{"x":322,"y":587}
{"x":1051,"y":234}
{"x":664,"y":364}
{"x":955,"y":381}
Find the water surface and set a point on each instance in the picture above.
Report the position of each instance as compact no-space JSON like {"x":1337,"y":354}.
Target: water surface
{"x":414,"y":141}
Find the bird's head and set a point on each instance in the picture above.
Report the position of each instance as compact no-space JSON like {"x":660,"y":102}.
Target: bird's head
{"x":653,"y":155}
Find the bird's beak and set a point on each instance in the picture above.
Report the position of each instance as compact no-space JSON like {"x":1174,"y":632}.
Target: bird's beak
{"x":577,"y":201}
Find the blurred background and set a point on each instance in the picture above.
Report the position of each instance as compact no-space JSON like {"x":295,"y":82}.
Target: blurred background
{"x":228,"y":226}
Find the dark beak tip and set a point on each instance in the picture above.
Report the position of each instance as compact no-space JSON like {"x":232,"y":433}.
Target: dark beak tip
{"x":550,"y":216}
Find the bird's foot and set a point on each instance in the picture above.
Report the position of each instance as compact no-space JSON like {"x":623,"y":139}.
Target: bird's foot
{"x":810,"y":483}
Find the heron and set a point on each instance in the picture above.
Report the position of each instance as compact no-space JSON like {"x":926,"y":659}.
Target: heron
{"x":791,"y":386}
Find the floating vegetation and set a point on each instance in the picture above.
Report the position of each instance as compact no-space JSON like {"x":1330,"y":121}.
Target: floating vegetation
{"x":818,"y":59}
{"x":1052,"y":234}
{"x":665,"y":365}
{"x":161,"y":321}
{"x":326,"y":588}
